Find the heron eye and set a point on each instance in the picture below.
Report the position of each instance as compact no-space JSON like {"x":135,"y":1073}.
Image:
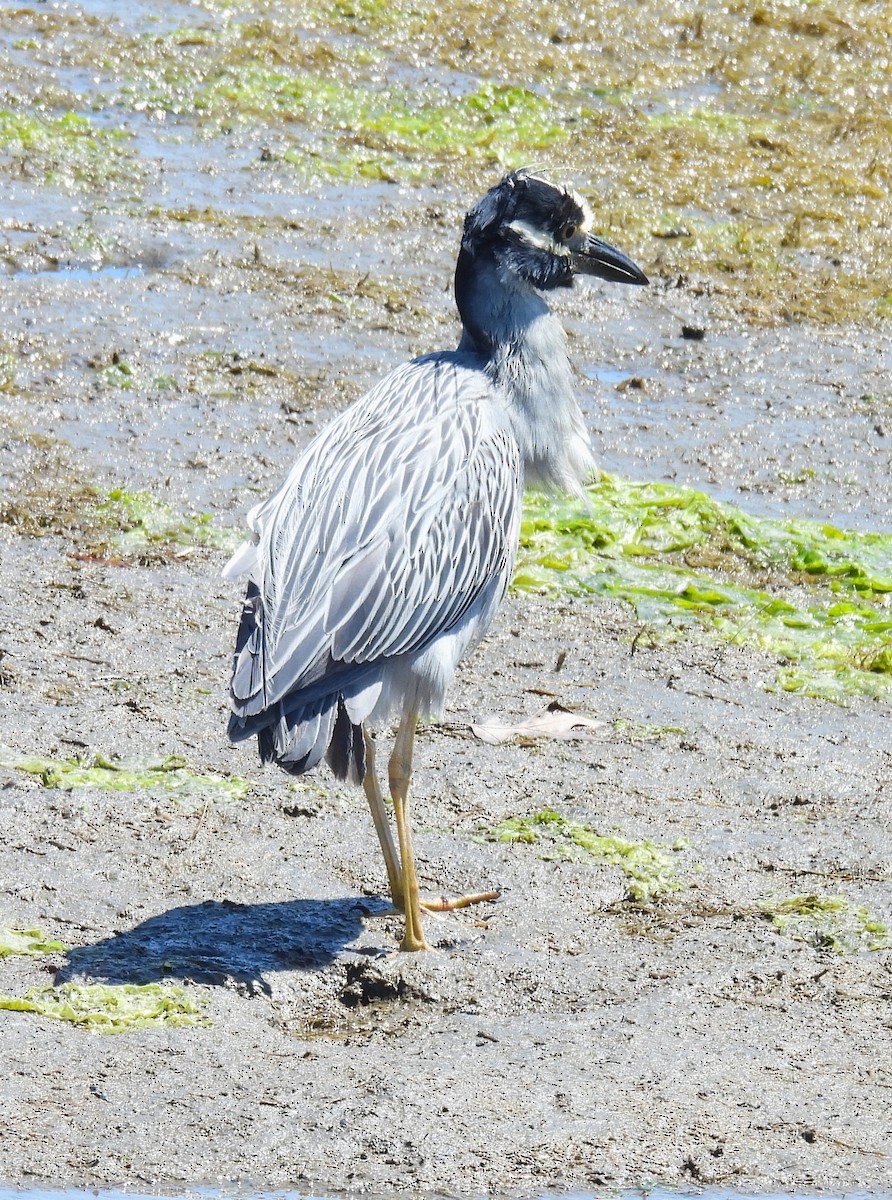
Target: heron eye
{"x":568,"y":231}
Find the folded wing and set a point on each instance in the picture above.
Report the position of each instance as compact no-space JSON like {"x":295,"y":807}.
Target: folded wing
{"x":394,"y":522}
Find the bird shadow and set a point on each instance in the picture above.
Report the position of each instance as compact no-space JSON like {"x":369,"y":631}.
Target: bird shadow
{"x":220,"y":942}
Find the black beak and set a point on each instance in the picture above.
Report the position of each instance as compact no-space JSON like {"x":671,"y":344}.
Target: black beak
{"x":594,"y":257}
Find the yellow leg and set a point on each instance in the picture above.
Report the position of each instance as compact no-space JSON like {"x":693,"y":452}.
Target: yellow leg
{"x":400,"y":772}
{"x":372,"y":790}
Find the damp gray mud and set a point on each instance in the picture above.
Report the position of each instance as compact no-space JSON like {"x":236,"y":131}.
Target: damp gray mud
{"x":244,"y":1193}
{"x":174,"y":328}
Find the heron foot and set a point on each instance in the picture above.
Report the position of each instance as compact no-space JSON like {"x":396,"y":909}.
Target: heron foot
{"x":413,"y":941}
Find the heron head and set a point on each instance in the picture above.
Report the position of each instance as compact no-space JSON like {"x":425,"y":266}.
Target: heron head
{"x":542,"y":234}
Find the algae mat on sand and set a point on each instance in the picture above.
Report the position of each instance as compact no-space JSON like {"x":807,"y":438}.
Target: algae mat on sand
{"x":816,"y":598}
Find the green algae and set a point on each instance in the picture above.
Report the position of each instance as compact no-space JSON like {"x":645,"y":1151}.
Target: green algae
{"x":118,"y":375}
{"x":832,"y":923}
{"x":67,"y":150}
{"x":143,"y":521}
{"x":31,"y":942}
{"x":52,"y":499}
{"x":171,"y":775}
{"x":713,"y":123}
{"x":113,"y":1008}
{"x":648,"y":868}
{"x":498,"y":121}
{"x":814,"y":597}
{"x":8,"y":368}
{"x":640,"y":731}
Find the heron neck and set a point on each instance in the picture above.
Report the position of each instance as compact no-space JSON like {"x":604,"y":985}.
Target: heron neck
{"x":524,"y":348}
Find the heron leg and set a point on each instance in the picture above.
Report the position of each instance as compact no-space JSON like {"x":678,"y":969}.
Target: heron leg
{"x":372,"y":789}
{"x":400,"y":772}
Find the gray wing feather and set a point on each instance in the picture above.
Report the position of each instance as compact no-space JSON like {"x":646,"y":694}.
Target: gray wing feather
{"x":391,"y":524}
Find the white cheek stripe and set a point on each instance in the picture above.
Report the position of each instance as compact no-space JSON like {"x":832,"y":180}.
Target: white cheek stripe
{"x":585,"y":224}
{"x":538,"y":238}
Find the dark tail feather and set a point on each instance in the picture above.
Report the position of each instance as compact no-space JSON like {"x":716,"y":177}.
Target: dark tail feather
{"x":346,"y":750}
{"x":296,"y":739}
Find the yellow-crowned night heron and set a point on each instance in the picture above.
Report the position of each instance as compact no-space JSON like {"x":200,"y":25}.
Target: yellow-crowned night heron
{"x":385,"y":554}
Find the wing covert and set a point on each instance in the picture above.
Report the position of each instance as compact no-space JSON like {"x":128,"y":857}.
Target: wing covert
{"x":394,"y":520}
